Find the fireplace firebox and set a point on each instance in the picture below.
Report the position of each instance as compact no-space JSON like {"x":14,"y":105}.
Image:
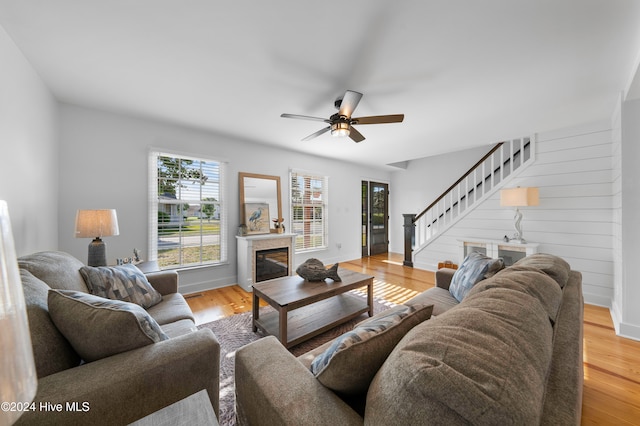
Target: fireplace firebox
{"x":253,"y":249}
{"x":272,"y":263}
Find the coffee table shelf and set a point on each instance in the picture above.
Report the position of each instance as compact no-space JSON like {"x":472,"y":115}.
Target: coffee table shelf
{"x":305,"y":309}
{"x":310,"y":321}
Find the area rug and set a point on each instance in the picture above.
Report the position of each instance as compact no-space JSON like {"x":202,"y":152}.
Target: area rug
{"x":235,"y":331}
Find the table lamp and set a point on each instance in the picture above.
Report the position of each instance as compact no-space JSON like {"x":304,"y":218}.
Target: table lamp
{"x":96,"y":224}
{"x":519,"y":197}
{"x":18,"y":380}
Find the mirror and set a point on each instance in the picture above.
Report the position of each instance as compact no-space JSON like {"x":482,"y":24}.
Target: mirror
{"x":255,"y":188}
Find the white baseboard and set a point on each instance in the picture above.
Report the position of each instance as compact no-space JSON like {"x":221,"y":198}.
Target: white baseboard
{"x":207,"y":285}
{"x":629,"y":331}
{"x":623,"y":329}
{"x":425,"y":265}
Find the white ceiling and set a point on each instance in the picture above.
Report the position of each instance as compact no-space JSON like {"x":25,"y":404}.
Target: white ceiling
{"x":464,"y":72}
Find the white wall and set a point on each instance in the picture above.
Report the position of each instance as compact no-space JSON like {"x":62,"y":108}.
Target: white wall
{"x":422,"y":182}
{"x":624,"y":309}
{"x":573,"y":170}
{"x":28,"y":148}
{"x":103,"y":164}
{"x":616,"y":225}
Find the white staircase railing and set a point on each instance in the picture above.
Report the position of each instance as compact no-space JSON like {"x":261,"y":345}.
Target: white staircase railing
{"x":484,"y":178}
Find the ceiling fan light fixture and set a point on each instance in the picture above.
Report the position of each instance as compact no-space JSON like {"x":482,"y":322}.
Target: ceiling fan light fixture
{"x":340,"y":129}
{"x":340,"y":122}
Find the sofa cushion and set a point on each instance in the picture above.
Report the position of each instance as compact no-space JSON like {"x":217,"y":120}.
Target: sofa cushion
{"x":51,"y":351}
{"x":352,"y":360}
{"x":179,"y":328}
{"x":441,"y":299}
{"x":554,"y":266}
{"x":57,"y":269}
{"x":474,"y":268}
{"x":484,"y":361}
{"x":98,"y":328}
{"x":527,"y":280}
{"x":123,"y":282}
{"x":173,"y":308}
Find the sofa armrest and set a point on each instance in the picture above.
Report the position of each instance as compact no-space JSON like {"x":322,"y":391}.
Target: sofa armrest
{"x":128,"y":386}
{"x":166,"y":282}
{"x":443,"y":277}
{"x":566,"y":372}
{"x":273,"y":387}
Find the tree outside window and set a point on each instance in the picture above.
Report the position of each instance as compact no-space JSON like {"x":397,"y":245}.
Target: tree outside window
{"x":187,"y":228}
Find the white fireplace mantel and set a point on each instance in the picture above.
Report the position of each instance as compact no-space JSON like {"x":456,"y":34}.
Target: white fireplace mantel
{"x":247,"y":247}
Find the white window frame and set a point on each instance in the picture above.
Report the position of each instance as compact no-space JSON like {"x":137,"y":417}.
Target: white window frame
{"x":154,"y":201}
{"x":312,"y":232}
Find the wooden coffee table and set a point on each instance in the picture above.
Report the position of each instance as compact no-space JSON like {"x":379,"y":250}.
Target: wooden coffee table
{"x":305,"y":309}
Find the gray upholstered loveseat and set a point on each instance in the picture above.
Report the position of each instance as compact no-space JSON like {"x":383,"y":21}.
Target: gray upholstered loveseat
{"x":123,"y":387}
{"x":510,"y":353}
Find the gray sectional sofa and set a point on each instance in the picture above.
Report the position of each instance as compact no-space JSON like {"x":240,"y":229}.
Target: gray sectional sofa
{"x":125,"y":380}
{"x":509,"y":353}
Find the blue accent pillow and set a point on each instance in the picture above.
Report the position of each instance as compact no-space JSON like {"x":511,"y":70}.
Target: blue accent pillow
{"x":474,"y":268}
{"x":350,"y":363}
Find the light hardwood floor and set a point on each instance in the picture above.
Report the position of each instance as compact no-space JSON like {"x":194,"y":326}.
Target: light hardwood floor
{"x":611,"y":363}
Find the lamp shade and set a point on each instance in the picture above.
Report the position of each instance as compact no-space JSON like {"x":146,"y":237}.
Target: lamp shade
{"x":96,"y":223}
{"x":18,"y":381}
{"x":519,"y":197}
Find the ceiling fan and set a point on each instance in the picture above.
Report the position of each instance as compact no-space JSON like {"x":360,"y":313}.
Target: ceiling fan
{"x":341,"y":123}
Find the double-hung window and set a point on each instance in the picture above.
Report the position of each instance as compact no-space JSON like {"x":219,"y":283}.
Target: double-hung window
{"x":309,"y":210}
{"x":187,"y":220}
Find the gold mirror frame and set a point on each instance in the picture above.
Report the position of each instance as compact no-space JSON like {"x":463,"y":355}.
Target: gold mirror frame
{"x":248,"y":195}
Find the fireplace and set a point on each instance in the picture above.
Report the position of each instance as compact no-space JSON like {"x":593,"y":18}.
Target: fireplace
{"x":263,"y":257}
{"x":272,"y":263}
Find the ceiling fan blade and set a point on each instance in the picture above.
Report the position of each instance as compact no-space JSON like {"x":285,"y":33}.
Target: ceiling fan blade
{"x":378,"y":119}
{"x":349,"y":103}
{"x":316,"y":134}
{"x":355,"y":135}
{"x":304,"y":117}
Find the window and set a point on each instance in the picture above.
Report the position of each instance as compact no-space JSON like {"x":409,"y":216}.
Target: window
{"x":309,"y":207}
{"x":187,"y":220}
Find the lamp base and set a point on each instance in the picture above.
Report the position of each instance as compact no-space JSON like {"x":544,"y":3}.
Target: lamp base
{"x":517,"y":237}
{"x":97,"y":253}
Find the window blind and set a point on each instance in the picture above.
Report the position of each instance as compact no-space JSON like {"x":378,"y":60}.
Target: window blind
{"x":309,"y":208}
{"x":187,"y":221}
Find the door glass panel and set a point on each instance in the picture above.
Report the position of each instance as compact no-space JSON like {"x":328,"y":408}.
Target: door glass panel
{"x":378,"y":217}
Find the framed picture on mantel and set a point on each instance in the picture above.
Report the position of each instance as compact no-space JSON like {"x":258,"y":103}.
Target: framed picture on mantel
{"x":256,"y":218}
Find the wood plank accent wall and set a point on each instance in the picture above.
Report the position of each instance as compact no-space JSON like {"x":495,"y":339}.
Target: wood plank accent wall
{"x":573,"y":170}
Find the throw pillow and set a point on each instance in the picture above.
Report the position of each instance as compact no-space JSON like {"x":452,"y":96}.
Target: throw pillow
{"x":52,"y":353}
{"x":124,"y":282}
{"x":474,"y":268}
{"x":353,"y":359}
{"x":97,"y":327}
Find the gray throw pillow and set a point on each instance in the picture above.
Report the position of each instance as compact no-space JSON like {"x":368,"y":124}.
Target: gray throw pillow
{"x":124,"y":282}
{"x":51,"y":351}
{"x":98,"y":328}
{"x":353,"y":359}
{"x":474,"y":268}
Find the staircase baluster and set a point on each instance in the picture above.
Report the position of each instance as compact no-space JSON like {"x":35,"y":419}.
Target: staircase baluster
{"x":501,"y":164}
{"x":448,"y":208}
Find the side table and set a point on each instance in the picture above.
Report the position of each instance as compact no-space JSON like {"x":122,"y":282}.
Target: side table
{"x":194,"y":410}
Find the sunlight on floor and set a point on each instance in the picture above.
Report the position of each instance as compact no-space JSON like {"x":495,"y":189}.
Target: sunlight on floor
{"x":392,"y":262}
{"x":389,"y":292}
